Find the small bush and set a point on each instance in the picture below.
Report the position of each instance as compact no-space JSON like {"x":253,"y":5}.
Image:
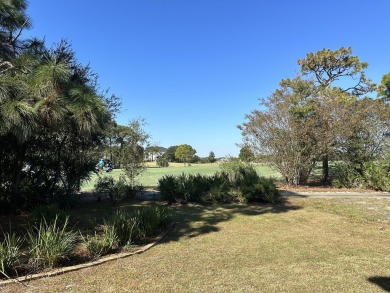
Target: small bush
{"x":9,"y":252}
{"x":49,"y":243}
{"x":132,"y":225}
{"x":345,"y":175}
{"x":116,"y":189}
{"x":377,"y":175}
{"x":168,"y":187}
{"x":266,"y":191}
{"x":125,"y":226}
{"x":99,"y":245}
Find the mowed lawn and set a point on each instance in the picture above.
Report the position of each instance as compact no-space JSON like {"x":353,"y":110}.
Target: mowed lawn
{"x":303,"y":245}
{"x":150,"y":177}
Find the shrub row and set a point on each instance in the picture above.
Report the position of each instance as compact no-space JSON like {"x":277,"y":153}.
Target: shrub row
{"x":241,"y":185}
{"x":51,"y":241}
{"x":371,"y":175}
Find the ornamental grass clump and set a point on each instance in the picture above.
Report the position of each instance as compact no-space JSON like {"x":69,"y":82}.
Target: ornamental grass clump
{"x":50,"y":243}
{"x":132,"y":225}
{"x":125,"y":225}
{"x":9,"y":252}
{"x":99,"y":245}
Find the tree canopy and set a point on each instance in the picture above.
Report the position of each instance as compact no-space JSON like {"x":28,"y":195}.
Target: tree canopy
{"x":319,"y":114}
{"x":52,"y":116}
{"x":185,"y":152}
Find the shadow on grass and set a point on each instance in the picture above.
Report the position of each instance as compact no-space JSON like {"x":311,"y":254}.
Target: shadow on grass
{"x":195,"y":220}
{"x":383,"y":282}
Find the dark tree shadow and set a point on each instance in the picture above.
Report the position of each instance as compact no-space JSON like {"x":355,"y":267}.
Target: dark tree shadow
{"x":195,"y":220}
{"x":383,"y":282}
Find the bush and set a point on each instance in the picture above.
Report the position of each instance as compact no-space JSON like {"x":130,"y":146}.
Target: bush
{"x":345,"y":175}
{"x":9,"y":252}
{"x":49,"y":243}
{"x":99,"y":245}
{"x":377,"y":175}
{"x":132,"y":225}
{"x":116,"y":189}
{"x":124,"y":225}
{"x":168,"y":187}
{"x":239,"y":185}
{"x":266,"y":191}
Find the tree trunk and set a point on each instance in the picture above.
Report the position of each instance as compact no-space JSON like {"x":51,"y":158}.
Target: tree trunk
{"x":17,"y":173}
{"x":325,"y":169}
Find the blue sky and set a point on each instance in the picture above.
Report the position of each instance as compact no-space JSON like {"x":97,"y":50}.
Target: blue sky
{"x":193,"y":69}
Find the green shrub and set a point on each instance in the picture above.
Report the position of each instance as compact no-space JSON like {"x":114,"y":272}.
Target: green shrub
{"x":266,"y":191}
{"x":116,"y":189}
{"x":241,"y":184}
{"x":122,"y":189}
{"x":125,"y":226}
{"x":9,"y":252}
{"x":98,"y":245}
{"x":132,"y":225}
{"x":377,"y":175}
{"x":196,"y":187}
{"x":49,"y":243}
{"x":168,"y":187}
{"x":152,"y":219}
{"x":345,"y":175}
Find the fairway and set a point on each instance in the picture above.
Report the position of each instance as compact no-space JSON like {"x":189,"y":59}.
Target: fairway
{"x":150,"y":177}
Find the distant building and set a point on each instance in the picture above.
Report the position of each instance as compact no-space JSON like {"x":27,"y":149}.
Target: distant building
{"x":152,"y":153}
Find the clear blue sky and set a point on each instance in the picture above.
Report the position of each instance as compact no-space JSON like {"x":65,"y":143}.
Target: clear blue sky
{"x":194,"y":68}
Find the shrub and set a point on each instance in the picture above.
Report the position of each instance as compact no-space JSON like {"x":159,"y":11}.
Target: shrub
{"x":125,"y":226}
{"x":345,"y":175}
{"x":377,"y":175}
{"x":238,"y":185}
{"x":99,"y":245}
{"x":266,"y":191}
{"x":9,"y":252}
{"x":168,"y":187}
{"x":132,"y":225}
{"x":116,"y":189}
{"x":152,"y":219}
{"x":49,"y":243}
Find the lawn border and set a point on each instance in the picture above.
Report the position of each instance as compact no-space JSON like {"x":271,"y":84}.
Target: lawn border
{"x":99,"y":261}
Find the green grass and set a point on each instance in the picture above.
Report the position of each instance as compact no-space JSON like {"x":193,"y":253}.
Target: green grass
{"x":153,"y":173}
{"x":298,"y":246}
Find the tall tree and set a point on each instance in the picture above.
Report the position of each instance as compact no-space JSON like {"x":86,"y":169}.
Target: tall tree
{"x":170,"y":153}
{"x":51,"y":116}
{"x":282,"y":132}
{"x":211,"y":157}
{"x":185,"y":152}
{"x":246,"y":154}
{"x":336,"y":72}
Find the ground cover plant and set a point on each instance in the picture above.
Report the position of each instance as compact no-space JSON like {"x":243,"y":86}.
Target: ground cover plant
{"x":298,"y":246}
{"x":83,"y":234}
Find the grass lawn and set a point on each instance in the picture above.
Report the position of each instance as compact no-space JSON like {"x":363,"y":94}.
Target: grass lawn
{"x":304,"y":245}
{"x":153,"y":173}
